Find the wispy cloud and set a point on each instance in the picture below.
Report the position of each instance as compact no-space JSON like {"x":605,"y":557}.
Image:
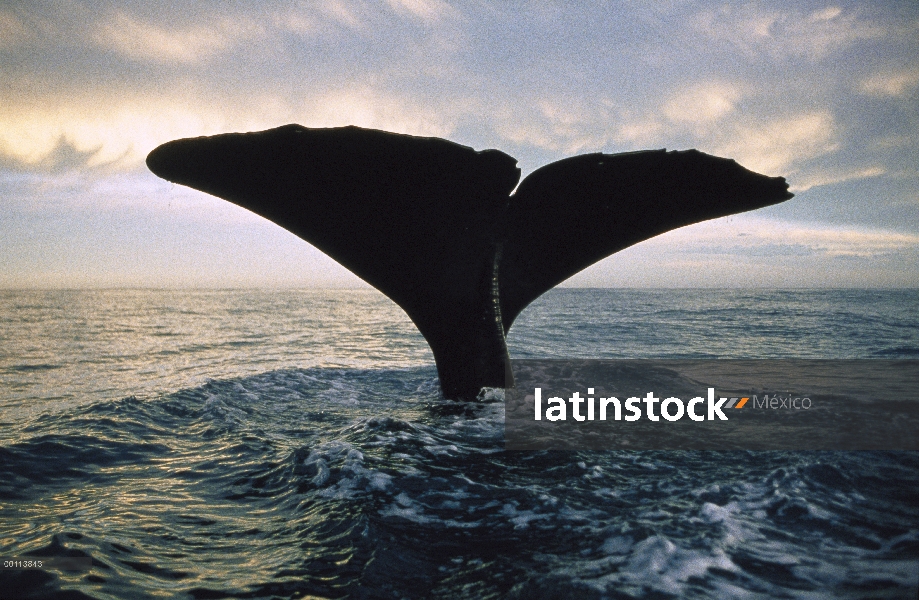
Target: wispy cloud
{"x":781,"y":144}
{"x":702,"y":104}
{"x":703,"y":115}
{"x":108,"y":128}
{"x":834,"y":176}
{"x":763,"y":237}
{"x":557,"y":123}
{"x":429,"y":11}
{"x":366,"y":107}
{"x":105,"y":129}
{"x":890,"y":84}
{"x":139,"y":40}
{"x":301,"y":22}
{"x":750,"y":251}
{"x":343,"y":13}
{"x":64,"y":157}
{"x":755,"y":30}
{"x":640,"y":133}
{"x":320,"y":17}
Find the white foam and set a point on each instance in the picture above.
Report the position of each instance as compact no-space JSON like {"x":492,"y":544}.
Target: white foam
{"x":348,"y":479}
{"x":521,"y":518}
{"x":659,"y":563}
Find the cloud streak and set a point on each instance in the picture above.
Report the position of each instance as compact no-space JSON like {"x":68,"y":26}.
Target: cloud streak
{"x":890,"y":84}
{"x":786,"y":33}
{"x":780,"y":145}
{"x":428,"y":11}
{"x":748,"y":251}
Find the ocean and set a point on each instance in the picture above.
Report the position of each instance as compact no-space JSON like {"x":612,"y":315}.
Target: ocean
{"x":294,"y":444}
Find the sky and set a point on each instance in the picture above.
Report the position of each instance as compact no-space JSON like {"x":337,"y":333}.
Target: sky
{"x":825,"y":94}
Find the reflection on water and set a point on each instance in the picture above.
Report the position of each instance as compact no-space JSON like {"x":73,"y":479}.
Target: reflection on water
{"x":294,"y":444}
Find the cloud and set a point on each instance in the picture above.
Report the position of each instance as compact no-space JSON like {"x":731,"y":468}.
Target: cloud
{"x":146,"y":41}
{"x":64,"y":157}
{"x":834,"y":176}
{"x":889,"y":84}
{"x":561,"y":124}
{"x":640,"y":133}
{"x":792,"y":33}
{"x":366,"y":107}
{"x":300,"y":22}
{"x":429,"y":11}
{"x":321,"y":17}
{"x":781,"y":144}
{"x":704,"y":115}
{"x":702,"y":104}
{"x":757,"y":236}
{"x":343,"y":13}
{"x":751,"y":251}
{"x":105,"y":127}
{"x":706,"y":120}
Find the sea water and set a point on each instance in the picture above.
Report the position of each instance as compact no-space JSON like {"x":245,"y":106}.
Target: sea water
{"x":290,"y":444}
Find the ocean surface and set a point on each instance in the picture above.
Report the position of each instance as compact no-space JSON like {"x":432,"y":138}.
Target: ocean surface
{"x":293,"y":444}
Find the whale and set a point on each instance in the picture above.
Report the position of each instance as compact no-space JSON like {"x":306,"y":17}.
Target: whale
{"x":451,"y":234}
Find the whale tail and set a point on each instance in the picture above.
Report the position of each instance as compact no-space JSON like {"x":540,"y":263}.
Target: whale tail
{"x":434,"y":226}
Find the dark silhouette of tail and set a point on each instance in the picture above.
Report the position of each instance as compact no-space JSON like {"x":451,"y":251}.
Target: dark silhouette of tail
{"x":433,"y":225}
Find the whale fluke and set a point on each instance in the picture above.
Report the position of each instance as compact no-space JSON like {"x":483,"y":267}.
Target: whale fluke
{"x":433,"y":224}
